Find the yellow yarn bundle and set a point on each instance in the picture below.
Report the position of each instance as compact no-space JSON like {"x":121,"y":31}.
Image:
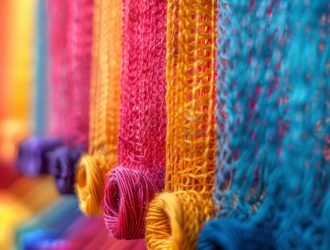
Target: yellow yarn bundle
{"x":175,"y":217}
{"x":104,"y":106}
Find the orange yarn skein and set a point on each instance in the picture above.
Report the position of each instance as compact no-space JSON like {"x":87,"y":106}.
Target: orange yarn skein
{"x":104,"y":106}
{"x":175,"y":217}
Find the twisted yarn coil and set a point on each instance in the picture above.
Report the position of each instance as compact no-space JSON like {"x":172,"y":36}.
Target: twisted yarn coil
{"x":140,"y":174}
{"x":191,"y":128}
{"x":104,"y":106}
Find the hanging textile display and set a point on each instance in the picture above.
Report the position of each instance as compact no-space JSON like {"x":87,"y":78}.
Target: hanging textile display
{"x":140,"y":174}
{"x":33,"y":152}
{"x":273,"y":162}
{"x":70,"y":26}
{"x":63,"y":160}
{"x":104,"y":106}
{"x":174,"y":217}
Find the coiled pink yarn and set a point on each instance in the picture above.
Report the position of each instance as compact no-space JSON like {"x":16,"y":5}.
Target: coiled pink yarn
{"x":140,"y":174}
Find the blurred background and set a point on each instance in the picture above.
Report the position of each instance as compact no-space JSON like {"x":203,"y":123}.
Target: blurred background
{"x":32,"y":213}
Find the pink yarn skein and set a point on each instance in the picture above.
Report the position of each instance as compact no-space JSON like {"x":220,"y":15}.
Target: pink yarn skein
{"x":140,"y":174}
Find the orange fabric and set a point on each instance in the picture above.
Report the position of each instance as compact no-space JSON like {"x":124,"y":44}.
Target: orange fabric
{"x":175,"y":217}
{"x":104,"y":106}
{"x":16,"y":76}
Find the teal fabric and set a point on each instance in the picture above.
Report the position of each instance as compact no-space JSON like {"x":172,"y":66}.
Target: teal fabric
{"x":40,"y":104}
{"x":274,"y":123}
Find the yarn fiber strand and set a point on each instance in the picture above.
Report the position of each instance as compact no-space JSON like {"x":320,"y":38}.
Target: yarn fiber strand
{"x":140,"y":173}
{"x":276,"y":160}
{"x":104,"y":106}
{"x":175,"y":216}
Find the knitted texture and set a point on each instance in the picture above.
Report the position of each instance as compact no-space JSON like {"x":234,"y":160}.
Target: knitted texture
{"x":104,"y":106}
{"x":273,"y":136}
{"x":175,"y":216}
{"x":76,"y":100}
{"x":140,"y":174}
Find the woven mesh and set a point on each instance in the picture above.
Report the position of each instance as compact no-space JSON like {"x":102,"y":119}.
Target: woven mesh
{"x":140,"y":174}
{"x":175,"y":217}
{"x":250,"y":105}
{"x":274,"y":121}
{"x":104,"y":106}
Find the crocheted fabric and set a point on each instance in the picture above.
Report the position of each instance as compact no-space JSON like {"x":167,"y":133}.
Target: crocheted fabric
{"x":274,"y":128}
{"x":175,"y":216}
{"x":140,"y":174}
{"x":78,"y":52}
{"x":104,"y":106}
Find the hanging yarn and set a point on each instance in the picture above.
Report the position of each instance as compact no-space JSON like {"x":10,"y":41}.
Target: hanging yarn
{"x":250,"y":119}
{"x":175,"y":216}
{"x":57,"y":11}
{"x":40,"y":79}
{"x":70,"y":62}
{"x":104,"y":106}
{"x":276,"y":161}
{"x":140,"y":174}
{"x":15,"y":122}
{"x":79,"y":47}
{"x":303,"y":189}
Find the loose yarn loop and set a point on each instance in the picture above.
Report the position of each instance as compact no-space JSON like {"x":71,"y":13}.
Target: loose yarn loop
{"x":174,"y":220}
{"x":32,"y":159}
{"x":62,"y":166}
{"x":126,"y":196}
{"x":89,"y":184}
{"x":228,"y":234}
